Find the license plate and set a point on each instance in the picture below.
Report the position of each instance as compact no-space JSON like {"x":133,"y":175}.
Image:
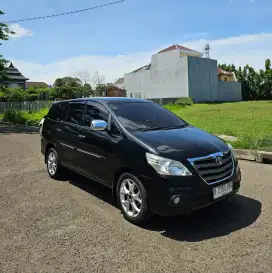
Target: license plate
{"x":222,"y":190}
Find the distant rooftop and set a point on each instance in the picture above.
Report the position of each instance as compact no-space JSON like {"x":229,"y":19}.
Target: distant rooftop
{"x":223,"y":72}
{"x":170,"y":48}
{"x":176,"y":46}
{"x":119,"y":81}
{"x":36,"y":84}
{"x":14,"y":74}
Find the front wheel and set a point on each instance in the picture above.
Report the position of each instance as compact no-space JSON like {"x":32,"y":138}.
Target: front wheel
{"x":54,"y":168}
{"x":132,"y":199}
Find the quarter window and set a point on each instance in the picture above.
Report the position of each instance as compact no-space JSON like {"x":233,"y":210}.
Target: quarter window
{"x":75,"y":113}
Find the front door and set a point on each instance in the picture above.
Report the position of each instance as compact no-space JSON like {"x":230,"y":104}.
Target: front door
{"x":97,"y":146}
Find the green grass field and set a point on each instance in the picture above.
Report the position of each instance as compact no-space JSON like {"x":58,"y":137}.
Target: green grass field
{"x":251,"y":122}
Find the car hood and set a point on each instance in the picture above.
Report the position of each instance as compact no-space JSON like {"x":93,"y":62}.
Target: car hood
{"x":178,"y":144}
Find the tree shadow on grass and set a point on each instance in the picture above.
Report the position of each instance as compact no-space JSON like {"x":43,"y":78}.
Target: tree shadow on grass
{"x":218,"y":220}
{"x":17,"y":129}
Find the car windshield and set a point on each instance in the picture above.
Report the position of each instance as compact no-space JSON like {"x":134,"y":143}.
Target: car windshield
{"x":145,"y":116}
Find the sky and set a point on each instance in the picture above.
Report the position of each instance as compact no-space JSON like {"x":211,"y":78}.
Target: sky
{"x":121,"y":38}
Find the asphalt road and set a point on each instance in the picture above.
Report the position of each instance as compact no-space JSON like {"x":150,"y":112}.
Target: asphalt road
{"x":72,"y":226}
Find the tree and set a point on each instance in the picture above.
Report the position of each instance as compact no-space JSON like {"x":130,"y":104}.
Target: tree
{"x":4,"y":35}
{"x":87,"y":90}
{"x":69,"y":87}
{"x":99,"y":82}
{"x":85,"y":78}
{"x":98,"y":79}
{"x":256,"y":85}
{"x":67,"y":81}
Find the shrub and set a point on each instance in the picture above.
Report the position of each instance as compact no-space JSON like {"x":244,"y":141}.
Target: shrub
{"x":24,"y":117}
{"x":184,"y":101}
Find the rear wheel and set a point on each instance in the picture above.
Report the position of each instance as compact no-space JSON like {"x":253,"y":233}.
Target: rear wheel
{"x":132,"y":199}
{"x":54,"y":168}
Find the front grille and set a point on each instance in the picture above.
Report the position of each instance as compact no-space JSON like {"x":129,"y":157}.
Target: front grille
{"x":210,"y":170}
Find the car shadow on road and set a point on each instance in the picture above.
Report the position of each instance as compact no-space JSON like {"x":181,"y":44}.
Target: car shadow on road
{"x":218,"y":220}
{"x":92,"y":187}
{"x":17,"y":129}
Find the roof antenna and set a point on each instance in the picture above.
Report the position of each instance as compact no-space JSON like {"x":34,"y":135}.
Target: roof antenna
{"x":207,"y":51}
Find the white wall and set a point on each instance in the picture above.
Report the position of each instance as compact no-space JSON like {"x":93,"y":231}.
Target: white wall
{"x":167,"y":77}
{"x":120,"y":85}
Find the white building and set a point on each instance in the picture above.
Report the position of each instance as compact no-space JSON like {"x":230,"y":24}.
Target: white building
{"x":119,"y":83}
{"x":178,"y":72}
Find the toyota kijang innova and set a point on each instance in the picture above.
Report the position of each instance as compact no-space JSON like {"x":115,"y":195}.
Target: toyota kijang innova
{"x":153,"y":161}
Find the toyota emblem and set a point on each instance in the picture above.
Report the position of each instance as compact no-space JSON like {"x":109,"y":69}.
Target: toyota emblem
{"x":219,"y":160}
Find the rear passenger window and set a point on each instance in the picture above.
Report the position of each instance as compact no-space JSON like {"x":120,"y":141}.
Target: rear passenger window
{"x":95,"y":111}
{"x":58,"y":111}
{"x":75,"y":113}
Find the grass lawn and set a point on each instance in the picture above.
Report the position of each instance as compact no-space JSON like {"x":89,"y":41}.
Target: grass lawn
{"x":251,"y":122}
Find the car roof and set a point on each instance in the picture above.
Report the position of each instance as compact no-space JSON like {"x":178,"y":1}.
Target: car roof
{"x":105,"y":100}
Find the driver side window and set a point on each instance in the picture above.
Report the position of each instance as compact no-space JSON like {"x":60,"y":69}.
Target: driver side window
{"x":95,"y":111}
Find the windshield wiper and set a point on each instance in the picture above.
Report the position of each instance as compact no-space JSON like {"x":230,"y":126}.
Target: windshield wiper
{"x":163,"y":128}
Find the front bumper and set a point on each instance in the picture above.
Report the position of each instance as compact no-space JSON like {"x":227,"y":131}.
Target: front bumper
{"x":194,"y":193}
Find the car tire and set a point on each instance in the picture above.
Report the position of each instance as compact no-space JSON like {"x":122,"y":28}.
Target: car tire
{"x":54,"y":169}
{"x":132,"y":199}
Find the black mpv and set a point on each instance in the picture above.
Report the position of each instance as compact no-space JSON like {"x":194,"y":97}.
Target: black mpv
{"x":153,"y":161}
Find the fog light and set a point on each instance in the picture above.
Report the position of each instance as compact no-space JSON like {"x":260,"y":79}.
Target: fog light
{"x":176,"y":200}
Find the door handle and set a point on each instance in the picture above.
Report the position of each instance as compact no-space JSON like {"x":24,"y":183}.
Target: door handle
{"x":81,"y":136}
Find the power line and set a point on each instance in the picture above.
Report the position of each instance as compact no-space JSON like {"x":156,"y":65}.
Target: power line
{"x":65,"y":13}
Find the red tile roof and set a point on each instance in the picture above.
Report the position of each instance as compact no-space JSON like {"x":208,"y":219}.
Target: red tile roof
{"x":176,"y":46}
{"x":36,"y":84}
{"x":223,"y":72}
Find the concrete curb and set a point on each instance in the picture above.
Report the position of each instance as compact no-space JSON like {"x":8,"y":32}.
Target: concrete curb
{"x":251,"y":155}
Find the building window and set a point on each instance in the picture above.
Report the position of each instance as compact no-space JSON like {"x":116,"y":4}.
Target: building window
{"x":135,"y":95}
{"x":131,"y":95}
{"x":225,"y":79}
{"x":139,"y":95}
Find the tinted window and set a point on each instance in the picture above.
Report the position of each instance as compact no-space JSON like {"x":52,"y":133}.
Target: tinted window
{"x":58,"y":111}
{"x":95,"y":111}
{"x":75,"y":113}
{"x":145,"y":116}
{"x":114,"y":129}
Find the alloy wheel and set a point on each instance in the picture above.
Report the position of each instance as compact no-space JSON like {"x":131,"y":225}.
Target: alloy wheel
{"x":52,"y":163}
{"x":130,"y":197}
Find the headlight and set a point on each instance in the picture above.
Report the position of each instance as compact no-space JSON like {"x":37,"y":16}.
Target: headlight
{"x":232,"y":151}
{"x":167,"y":166}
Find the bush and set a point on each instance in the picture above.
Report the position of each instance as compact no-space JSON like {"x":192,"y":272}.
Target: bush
{"x":184,"y":101}
{"x":24,"y":117}
{"x":14,"y":116}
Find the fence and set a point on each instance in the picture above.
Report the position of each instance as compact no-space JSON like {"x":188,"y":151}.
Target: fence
{"x":24,"y":105}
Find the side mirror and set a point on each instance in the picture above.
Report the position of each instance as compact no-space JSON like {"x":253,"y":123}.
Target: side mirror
{"x":98,"y":125}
